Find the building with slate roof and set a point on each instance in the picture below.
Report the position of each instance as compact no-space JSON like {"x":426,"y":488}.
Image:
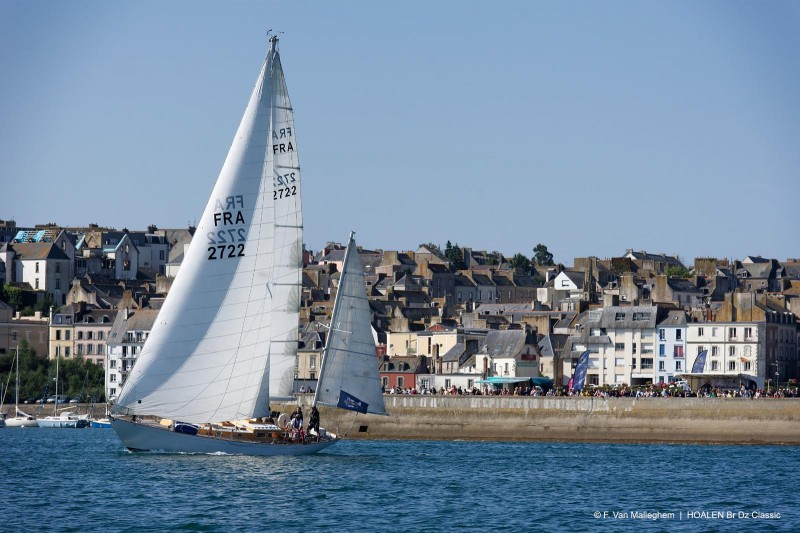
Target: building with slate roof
{"x":129,"y":332}
{"x":671,"y":351}
{"x":45,"y":266}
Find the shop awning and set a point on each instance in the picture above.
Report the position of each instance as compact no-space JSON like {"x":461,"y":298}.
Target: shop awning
{"x":498,"y":380}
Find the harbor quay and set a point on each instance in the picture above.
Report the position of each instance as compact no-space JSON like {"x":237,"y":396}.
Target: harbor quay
{"x":572,"y":419}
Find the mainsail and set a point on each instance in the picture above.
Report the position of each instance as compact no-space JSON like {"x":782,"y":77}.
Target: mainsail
{"x":235,"y":297}
{"x":349,"y":377}
{"x":288,"y":258}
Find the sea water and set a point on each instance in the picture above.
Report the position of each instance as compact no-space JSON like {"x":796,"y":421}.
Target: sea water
{"x":84,"y":480}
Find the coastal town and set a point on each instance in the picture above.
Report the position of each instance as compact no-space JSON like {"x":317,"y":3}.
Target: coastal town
{"x":446,"y":319}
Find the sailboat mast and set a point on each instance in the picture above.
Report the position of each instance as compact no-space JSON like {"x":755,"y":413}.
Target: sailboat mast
{"x":16,"y":392}
{"x":55,"y":403}
{"x":335,"y":312}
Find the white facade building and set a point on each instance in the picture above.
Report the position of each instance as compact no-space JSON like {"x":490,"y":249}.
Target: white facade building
{"x":734,"y":353}
{"x":671,"y":357}
{"x":124,"y":344}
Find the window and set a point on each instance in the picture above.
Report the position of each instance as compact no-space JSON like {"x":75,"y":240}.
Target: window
{"x":67,"y":334}
{"x":634,"y":347}
{"x":312,"y":361}
{"x":58,"y":284}
{"x":714,"y":365}
{"x":99,"y":335}
{"x":662,"y":334}
{"x":661,"y":366}
{"x":36,"y":283}
{"x":715,"y":350}
{"x":619,"y":361}
{"x":732,"y":333}
{"x":385,"y":382}
{"x":58,"y":334}
{"x":633,"y":363}
{"x":58,"y":268}
{"x":746,"y":366}
{"x":699,"y":332}
{"x":90,"y":349}
{"x":619,"y":316}
{"x":714,"y":332}
{"x":79,"y":349}
{"x":700,"y":349}
{"x":161,"y":255}
{"x":112,"y":363}
{"x":66,"y":351}
{"x":647,"y":363}
{"x":80,"y":335}
{"x":112,"y":378}
{"x":400,"y":382}
{"x":731,"y":365}
{"x":678,"y":335}
{"x":678,"y":366}
{"x":678,"y":352}
{"x":112,"y":391}
{"x":662,"y":350}
{"x":732,"y":351}
{"x":14,"y":336}
{"x":37,"y":267}
{"x":312,"y":375}
{"x":619,"y":346}
{"x":640,"y":317}
{"x":748,"y":333}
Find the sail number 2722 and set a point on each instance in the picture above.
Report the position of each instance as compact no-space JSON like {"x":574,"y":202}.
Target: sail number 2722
{"x":228,"y":242}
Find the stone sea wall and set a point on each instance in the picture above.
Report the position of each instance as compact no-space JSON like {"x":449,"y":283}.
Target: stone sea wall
{"x":514,"y":418}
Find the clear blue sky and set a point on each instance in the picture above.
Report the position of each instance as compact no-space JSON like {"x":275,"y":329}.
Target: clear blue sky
{"x":591,"y":127}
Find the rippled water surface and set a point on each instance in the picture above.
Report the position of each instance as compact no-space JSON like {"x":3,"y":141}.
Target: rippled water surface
{"x":83,"y":480}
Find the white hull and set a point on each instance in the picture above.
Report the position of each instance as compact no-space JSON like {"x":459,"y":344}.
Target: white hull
{"x":62,"y":422}
{"x":140,"y":437}
{"x":22,"y":422}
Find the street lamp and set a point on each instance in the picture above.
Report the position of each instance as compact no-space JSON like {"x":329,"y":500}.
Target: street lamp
{"x":775,"y":364}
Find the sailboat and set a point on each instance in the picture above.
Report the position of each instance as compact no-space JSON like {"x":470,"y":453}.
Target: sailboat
{"x":65,"y":419}
{"x":349,"y":374}
{"x":20,"y":419}
{"x":225,"y":341}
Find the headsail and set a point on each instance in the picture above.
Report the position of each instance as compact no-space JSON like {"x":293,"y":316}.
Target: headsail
{"x":207,"y":358}
{"x":349,"y":377}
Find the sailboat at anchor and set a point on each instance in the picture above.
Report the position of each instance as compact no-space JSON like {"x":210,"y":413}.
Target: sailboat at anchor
{"x":225,"y":341}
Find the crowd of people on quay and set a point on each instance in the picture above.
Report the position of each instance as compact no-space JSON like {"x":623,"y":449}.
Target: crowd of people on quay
{"x":647,"y":391}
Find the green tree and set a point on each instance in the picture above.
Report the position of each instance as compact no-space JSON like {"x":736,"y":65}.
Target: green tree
{"x":520,"y":261}
{"x":676,"y":271}
{"x":542,"y":256}
{"x":454,"y":255}
{"x":12,"y":295}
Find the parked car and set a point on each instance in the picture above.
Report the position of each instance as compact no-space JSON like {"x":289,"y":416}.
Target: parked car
{"x":75,"y":400}
{"x":61,"y":399}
